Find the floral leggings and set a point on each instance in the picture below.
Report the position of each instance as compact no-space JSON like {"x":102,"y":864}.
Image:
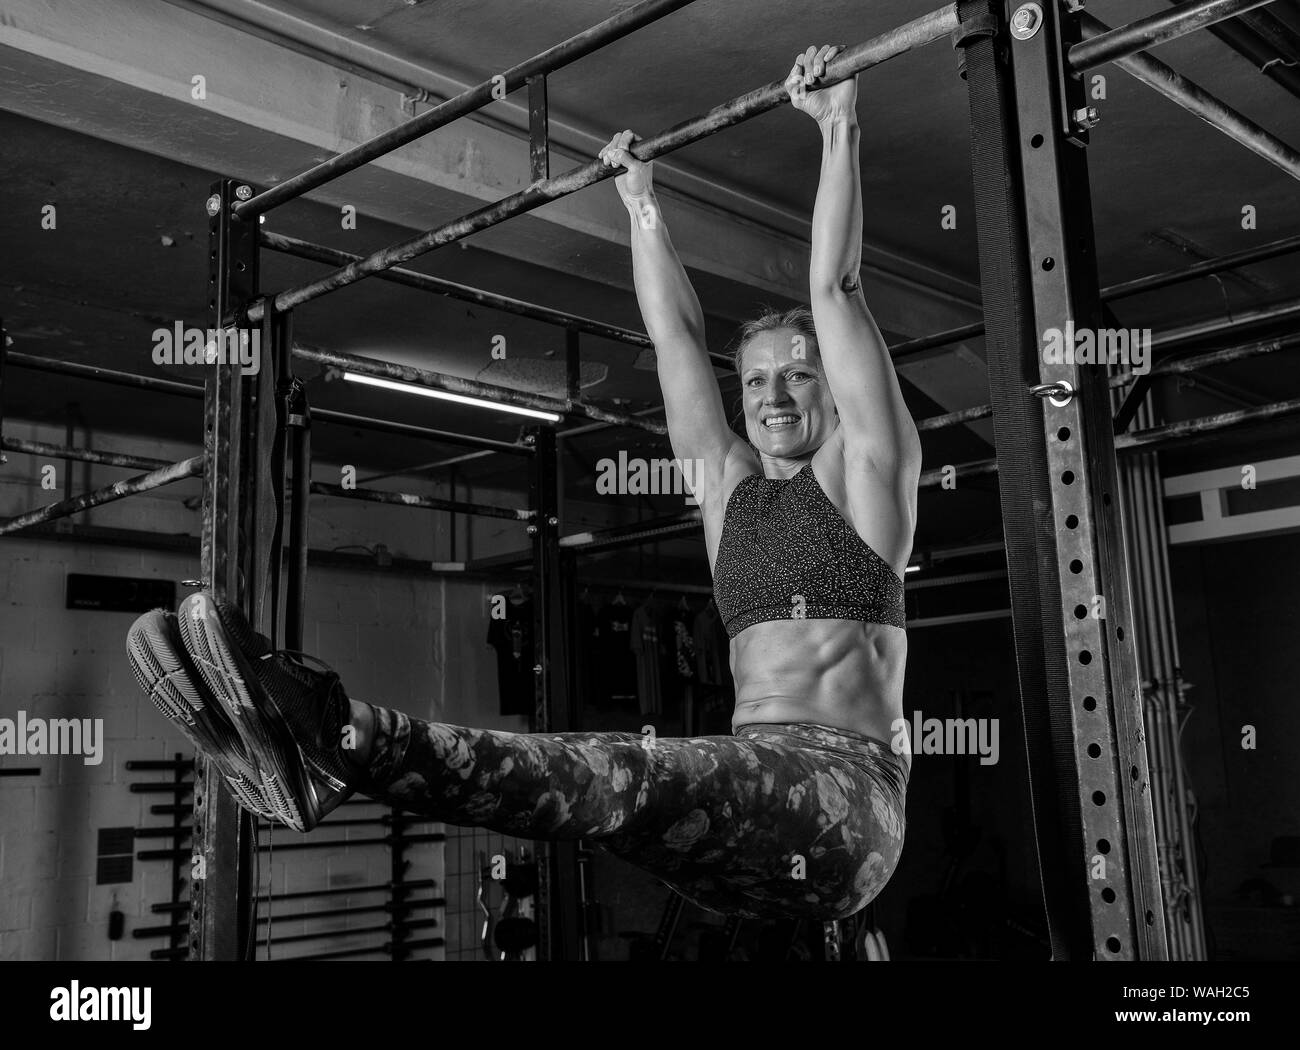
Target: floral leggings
{"x":790,"y":820}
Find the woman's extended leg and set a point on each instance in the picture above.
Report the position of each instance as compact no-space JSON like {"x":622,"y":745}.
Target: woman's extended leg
{"x":779,"y":821}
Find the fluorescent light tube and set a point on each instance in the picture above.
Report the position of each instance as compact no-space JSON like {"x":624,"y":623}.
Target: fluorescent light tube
{"x":443,"y":395}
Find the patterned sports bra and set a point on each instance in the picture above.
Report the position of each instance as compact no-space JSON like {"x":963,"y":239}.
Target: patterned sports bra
{"x":787,"y":553}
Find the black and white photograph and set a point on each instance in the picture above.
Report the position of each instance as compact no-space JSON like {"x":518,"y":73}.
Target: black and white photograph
{"x":571,"y":482}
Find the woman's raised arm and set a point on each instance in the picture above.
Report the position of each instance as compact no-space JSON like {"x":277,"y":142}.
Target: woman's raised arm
{"x":697,"y":422}
{"x":877,"y":426}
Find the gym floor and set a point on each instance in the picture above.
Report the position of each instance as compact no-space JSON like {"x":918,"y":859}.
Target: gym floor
{"x":116,"y":122}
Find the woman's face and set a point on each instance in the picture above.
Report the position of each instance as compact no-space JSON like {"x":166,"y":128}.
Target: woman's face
{"x":789,"y":411}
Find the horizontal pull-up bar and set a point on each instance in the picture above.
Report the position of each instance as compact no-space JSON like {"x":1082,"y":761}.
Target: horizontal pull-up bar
{"x":1199,"y":102}
{"x":370,"y":366}
{"x":410,"y":499}
{"x":300,"y":249}
{"x":917,"y":33}
{"x":156,"y":479}
{"x":553,"y":58}
{"x":1113,"y":44}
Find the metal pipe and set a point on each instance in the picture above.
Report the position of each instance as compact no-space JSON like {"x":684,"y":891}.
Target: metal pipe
{"x":167,"y":386}
{"x":438,"y":381}
{"x":1286,"y":310}
{"x":1135,"y":524}
{"x":82,"y":455}
{"x":1143,"y":475}
{"x":553,"y":58}
{"x":1161,"y":674}
{"x":347,"y":419}
{"x":635,"y":532}
{"x":1174,"y":700}
{"x":433,"y":464}
{"x":1112,"y":45}
{"x":1201,"y":269}
{"x":587,"y":428}
{"x":924,"y":30}
{"x":441,"y":286}
{"x":1163,"y":435}
{"x":1197,"y":101}
{"x":951,"y":419}
{"x":186,"y":468}
{"x":409,"y":499}
{"x":1197,"y":362}
{"x":107,"y":375}
{"x":929,"y":342}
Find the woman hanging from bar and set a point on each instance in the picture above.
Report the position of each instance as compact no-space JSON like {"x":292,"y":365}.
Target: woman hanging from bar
{"x":808,"y":526}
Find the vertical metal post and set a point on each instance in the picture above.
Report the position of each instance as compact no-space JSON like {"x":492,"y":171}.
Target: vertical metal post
{"x":539,"y":132}
{"x":222,"y":839}
{"x":1093,"y":625}
{"x":557,"y":898}
{"x":1158,"y":658}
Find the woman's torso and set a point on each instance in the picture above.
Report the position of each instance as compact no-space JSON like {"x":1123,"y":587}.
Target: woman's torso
{"x":839,"y":672}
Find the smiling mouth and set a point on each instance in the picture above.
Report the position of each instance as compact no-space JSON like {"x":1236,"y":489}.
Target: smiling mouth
{"x":780,"y":422}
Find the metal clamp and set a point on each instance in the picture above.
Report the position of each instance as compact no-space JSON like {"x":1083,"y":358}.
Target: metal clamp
{"x":1059,"y":393}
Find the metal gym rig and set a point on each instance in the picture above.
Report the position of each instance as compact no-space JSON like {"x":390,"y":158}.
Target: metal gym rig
{"x":1058,"y":428}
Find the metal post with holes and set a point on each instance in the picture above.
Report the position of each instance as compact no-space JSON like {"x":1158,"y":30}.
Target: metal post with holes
{"x":557,"y":862}
{"x":1087,"y":637}
{"x":222,"y":841}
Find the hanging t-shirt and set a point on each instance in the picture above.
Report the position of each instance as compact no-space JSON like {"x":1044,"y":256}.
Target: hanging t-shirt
{"x":711,"y":646}
{"x":649,"y":655}
{"x":586,"y":672}
{"x":512,"y":638}
{"x":617,"y":665}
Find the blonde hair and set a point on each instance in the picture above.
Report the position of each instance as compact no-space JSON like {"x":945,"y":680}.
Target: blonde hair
{"x":799,"y":318}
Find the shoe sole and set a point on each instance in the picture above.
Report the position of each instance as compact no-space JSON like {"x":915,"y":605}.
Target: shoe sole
{"x":230,"y":676}
{"x":167,"y":677}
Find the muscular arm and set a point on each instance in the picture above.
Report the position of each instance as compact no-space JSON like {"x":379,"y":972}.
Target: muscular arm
{"x":697,"y":423}
{"x":873,"y":415}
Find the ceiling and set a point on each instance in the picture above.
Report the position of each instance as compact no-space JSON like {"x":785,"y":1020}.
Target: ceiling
{"x":130,"y":250}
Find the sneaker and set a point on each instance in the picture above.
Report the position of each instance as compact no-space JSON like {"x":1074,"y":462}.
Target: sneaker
{"x":290,"y":716}
{"x":169,"y":679}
